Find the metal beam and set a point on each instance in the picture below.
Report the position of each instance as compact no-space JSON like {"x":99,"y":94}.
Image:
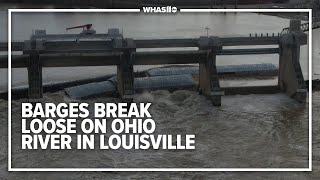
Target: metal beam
{"x":112,"y":58}
{"x":82,"y":45}
{"x":246,"y":41}
{"x":166,"y":43}
{"x":169,"y":57}
{"x":17,"y":61}
{"x":80,"y":59}
{"x":15,"y":46}
{"x":248,"y":51}
{"x":65,"y":60}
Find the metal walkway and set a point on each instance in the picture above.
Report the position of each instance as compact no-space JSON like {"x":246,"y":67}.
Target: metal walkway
{"x":304,"y":27}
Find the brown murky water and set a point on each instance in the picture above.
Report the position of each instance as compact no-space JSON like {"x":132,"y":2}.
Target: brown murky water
{"x":242,"y":133}
{"x":247,"y":131}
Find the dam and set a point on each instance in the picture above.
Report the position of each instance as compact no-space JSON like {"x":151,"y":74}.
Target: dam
{"x":91,"y":49}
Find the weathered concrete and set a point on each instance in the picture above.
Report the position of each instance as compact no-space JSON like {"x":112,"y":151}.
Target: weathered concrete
{"x":208,"y":77}
{"x":125,"y":73}
{"x":34,"y":67}
{"x":291,"y":78}
{"x":35,"y":76}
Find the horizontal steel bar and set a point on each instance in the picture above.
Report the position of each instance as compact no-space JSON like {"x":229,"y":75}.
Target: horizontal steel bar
{"x":169,"y":57}
{"x":166,"y":43}
{"x":147,"y":43}
{"x":17,"y":61}
{"x":80,"y":59}
{"x":113,"y":58}
{"x":72,"y":36}
{"x":15,"y":46}
{"x":74,"y":46}
{"x":65,"y":60}
{"x":246,"y":41}
{"x":227,"y":41}
{"x":248,"y":51}
{"x":107,"y":59}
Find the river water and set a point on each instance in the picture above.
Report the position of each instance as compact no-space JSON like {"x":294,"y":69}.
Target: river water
{"x":246,"y":131}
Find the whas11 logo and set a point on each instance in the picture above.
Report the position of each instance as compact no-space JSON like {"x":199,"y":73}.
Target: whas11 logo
{"x":160,"y":9}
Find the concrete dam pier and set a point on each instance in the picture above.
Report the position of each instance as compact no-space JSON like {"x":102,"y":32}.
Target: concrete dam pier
{"x":112,"y":49}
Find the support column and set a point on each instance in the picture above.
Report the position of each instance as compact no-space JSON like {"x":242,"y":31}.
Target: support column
{"x":125,"y":73}
{"x":209,"y":84}
{"x":35,"y":90}
{"x":34,"y":67}
{"x":291,"y":78}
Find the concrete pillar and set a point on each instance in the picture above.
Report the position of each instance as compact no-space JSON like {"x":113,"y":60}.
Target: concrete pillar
{"x":291,"y":78}
{"x":34,"y":67}
{"x":295,"y":25}
{"x":209,"y":84}
{"x":35,"y":90}
{"x":125,"y":73}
